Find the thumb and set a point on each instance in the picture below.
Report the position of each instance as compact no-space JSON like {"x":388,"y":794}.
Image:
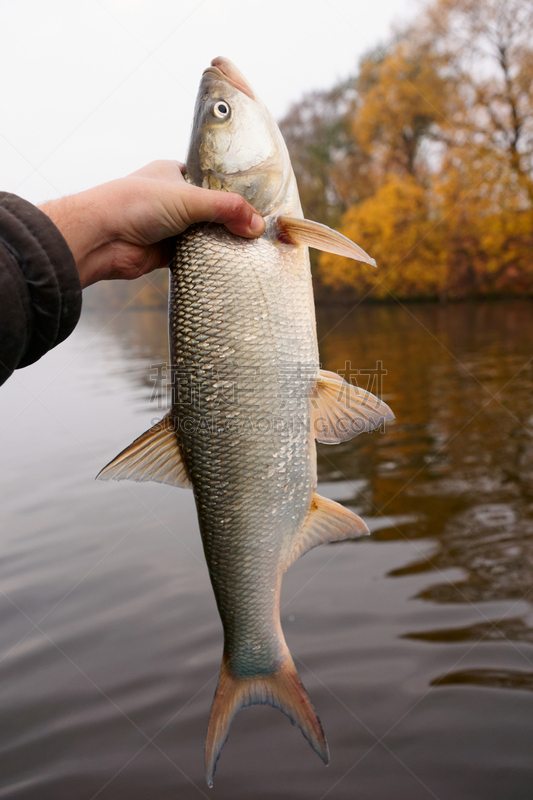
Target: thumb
{"x":227,"y":208}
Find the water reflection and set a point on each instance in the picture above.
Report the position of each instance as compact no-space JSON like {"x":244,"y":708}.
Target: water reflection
{"x":457,"y":463}
{"x":490,"y":678}
{"x":460,"y":455}
{"x":512,"y":628}
{"x":390,"y":633}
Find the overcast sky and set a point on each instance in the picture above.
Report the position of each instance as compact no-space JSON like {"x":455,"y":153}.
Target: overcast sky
{"x":93,"y":90}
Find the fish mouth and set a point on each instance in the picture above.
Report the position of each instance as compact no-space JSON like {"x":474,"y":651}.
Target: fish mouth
{"x":224,"y":69}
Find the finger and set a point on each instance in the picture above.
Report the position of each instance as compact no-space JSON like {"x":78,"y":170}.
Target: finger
{"x":227,"y":208}
{"x":161,"y":170}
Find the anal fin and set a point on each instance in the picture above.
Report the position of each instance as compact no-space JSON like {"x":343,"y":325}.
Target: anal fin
{"x":327,"y":521}
{"x":340,"y":411}
{"x":154,"y":456}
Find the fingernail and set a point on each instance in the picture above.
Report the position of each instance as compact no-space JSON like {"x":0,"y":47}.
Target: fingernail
{"x":257,"y":223}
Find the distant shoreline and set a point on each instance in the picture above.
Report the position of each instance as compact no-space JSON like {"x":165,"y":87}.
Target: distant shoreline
{"x":331,"y":302}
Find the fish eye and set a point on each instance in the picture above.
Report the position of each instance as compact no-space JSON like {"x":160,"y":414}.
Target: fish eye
{"x":221,"y":109}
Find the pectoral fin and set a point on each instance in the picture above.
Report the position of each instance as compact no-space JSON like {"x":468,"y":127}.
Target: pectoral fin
{"x":154,"y":456}
{"x":339,"y":411}
{"x":292,"y":230}
{"x":327,"y":521}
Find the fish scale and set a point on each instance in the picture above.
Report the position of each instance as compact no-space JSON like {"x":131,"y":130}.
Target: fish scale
{"x":236,"y":451}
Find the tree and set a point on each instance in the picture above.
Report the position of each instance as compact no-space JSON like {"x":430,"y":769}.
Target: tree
{"x":395,"y":227}
{"x":489,"y":45}
{"x":404,"y":99}
{"x":445,"y":120}
{"x":317,"y":133}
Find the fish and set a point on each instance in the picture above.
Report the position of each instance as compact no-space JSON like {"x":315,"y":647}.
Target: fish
{"x":249,"y":401}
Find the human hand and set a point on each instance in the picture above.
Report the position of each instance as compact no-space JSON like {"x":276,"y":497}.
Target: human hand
{"x":121,"y":229}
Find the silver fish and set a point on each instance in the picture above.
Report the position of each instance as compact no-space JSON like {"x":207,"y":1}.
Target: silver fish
{"x":249,"y":400}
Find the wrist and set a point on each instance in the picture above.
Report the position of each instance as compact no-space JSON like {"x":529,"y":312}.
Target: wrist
{"x":79,"y":221}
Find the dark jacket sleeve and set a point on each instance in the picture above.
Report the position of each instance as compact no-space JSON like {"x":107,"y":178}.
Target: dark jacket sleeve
{"x":40,"y":291}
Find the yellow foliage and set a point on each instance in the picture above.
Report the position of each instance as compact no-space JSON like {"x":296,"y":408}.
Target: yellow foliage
{"x":470,"y":232}
{"x":394,"y":226}
{"x":486,"y":230}
{"x":445,"y":119}
{"x":401,"y":99}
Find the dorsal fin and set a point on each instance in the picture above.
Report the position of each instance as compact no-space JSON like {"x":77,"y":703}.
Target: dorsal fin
{"x":154,"y":456}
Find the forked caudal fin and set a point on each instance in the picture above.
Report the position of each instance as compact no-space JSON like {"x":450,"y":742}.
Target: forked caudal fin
{"x":282,"y":689}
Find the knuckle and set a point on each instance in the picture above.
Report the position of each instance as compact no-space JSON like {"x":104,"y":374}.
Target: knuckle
{"x":237,"y":205}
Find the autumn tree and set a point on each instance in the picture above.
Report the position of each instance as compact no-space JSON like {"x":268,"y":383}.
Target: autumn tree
{"x":323,"y":151}
{"x":403,"y":102}
{"x":489,"y":44}
{"x":445,"y":120}
{"x":394,"y":225}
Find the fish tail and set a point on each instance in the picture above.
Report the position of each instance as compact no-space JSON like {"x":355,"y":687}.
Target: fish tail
{"x":282,"y":689}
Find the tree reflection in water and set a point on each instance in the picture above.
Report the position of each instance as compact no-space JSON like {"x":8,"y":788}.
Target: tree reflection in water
{"x":459,"y":456}
{"x":456,"y":466}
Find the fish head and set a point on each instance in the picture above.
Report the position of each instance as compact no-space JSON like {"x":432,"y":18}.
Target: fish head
{"x":236,"y":145}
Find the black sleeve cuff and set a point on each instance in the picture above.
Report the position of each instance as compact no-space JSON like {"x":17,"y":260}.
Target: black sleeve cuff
{"x":40,"y":291}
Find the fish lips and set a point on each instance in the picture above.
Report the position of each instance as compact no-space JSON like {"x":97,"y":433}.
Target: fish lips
{"x":223,"y":69}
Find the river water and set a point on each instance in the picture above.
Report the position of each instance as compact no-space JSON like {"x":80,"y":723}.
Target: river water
{"x":415,"y":644}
